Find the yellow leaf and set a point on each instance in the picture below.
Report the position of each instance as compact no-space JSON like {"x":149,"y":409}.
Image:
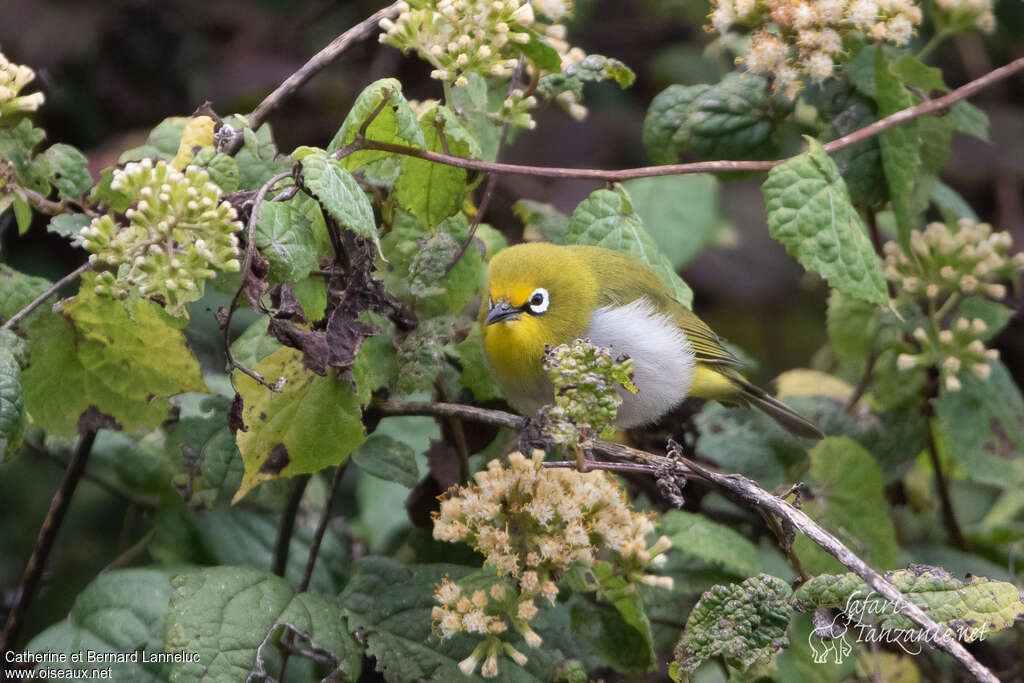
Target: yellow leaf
{"x":198,"y":134}
{"x":804,"y":382}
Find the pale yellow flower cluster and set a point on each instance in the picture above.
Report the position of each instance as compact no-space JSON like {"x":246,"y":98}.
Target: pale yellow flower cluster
{"x":944,"y":264}
{"x":798,"y":38}
{"x":979,"y":10}
{"x":14,"y":77}
{"x":531,"y":523}
{"x":559,"y":516}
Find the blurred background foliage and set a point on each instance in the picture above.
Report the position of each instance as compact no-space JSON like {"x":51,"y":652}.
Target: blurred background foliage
{"x":111,"y":71}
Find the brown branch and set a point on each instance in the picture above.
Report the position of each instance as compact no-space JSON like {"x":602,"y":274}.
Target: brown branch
{"x":35,"y":303}
{"x":317,"y":63}
{"x":44,"y":543}
{"x":739,"y":488}
{"x":853,"y":138}
{"x":321,"y":527}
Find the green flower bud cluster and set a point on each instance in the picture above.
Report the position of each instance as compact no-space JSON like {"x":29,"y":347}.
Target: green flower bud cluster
{"x":952,"y":350}
{"x":485,"y":37}
{"x":942,"y":266}
{"x":531,"y":523}
{"x":14,"y":77}
{"x":516,"y":109}
{"x":941,"y":261}
{"x":179,"y":233}
{"x":586,"y":378}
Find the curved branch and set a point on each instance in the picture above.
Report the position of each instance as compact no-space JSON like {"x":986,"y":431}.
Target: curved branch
{"x":35,"y":303}
{"x":318,"y":62}
{"x":739,"y":488}
{"x":853,"y":138}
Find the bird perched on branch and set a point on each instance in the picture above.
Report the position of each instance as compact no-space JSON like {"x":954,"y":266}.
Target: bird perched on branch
{"x":544,"y":294}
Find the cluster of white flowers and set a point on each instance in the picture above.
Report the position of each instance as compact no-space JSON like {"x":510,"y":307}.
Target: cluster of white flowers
{"x":531,"y":523}
{"x":943,"y":265}
{"x":946,"y":261}
{"x":977,"y":12}
{"x":460,"y":37}
{"x":807,"y":35}
{"x":178,"y":228}
{"x":14,"y":77}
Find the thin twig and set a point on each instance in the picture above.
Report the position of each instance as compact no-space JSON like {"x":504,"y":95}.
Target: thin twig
{"x":286,"y":526}
{"x":250,"y":253}
{"x":949,"y":518}
{"x":485,"y":200}
{"x":70,"y":277}
{"x":44,"y":543}
{"x":321,"y":527}
{"x":862,"y":384}
{"x":741,"y":489}
{"x":315,"y":65}
{"x":853,"y":138}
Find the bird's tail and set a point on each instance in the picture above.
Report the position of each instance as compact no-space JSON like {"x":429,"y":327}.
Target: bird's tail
{"x":792,"y":421}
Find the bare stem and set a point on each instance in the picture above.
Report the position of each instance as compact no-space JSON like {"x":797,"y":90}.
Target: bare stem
{"x":316,"y":64}
{"x":286,"y":526}
{"x":321,"y":527}
{"x":739,"y":488}
{"x":44,"y":543}
{"x":70,"y":277}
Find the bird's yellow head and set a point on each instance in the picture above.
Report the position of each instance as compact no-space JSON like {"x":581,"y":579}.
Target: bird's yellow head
{"x":536,"y":294}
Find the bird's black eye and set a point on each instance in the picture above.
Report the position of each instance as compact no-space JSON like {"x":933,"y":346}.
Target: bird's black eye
{"x":539,"y":301}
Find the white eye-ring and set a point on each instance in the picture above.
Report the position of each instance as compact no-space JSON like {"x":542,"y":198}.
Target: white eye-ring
{"x":539,"y":301}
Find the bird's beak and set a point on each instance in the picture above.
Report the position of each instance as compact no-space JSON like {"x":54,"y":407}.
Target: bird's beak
{"x":501,"y":311}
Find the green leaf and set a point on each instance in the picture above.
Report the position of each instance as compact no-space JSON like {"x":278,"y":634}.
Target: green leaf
{"x":163,"y":141}
{"x":222,"y":168}
{"x":121,"y":612}
{"x":913,"y":71}
{"x":548,"y":222}
{"x":388,"y":459}
{"x":432,"y":191}
{"x":745,"y":624}
{"x":126,"y":360}
{"x":969,"y":120}
{"x":22,"y":214}
{"x":13,"y":423}
{"x":853,"y":326}
{"x":18,"y":290}
{"x":860,"y":164}
{"x":258,"y":160}
{"x":696,"y":536}
{"x":67,"y":169}
{"x":994,"y":314}
{"x":68,"y":224}
{"x":254,"y":344}
{"x":972,"y":610}
{"x":476,"y":376}
{"x":901,"y":145}
{"x":618,"y":643}
{"x":936,"y":135}
{"x":390,"y":605}
{"x":104,"y":195}
{"x":288,"y":235}
{"x":340,"y":194}
{"x":396,"y":122}
{"x":848,"y":500}
{"x":732,"y":119}
{"x":311,"y":293}
{"x":16,"y":145}
{"x":312,"y":423}
{"x":951,"y":203}
{"x":809,"y":211}
{"x":680,"y":212}
{"x":539,"y":51}
{"x":225,"y":615}
{"x":442,"y":292}
{"x":590,"y":69}
{"x":983,"y":425}
{"x":606,"y":219}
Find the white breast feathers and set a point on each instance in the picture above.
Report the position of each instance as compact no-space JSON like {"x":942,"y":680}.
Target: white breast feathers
{"x":663,"y":358}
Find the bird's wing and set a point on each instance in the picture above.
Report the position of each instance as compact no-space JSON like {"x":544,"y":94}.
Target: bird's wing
{"x":707,"y":346}
{"x":624,"y":280}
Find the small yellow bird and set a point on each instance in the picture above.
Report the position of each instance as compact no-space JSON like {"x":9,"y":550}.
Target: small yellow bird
{"x":541,"y":293}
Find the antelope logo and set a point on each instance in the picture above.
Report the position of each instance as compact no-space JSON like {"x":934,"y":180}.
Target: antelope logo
{"x":835,"y":644}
